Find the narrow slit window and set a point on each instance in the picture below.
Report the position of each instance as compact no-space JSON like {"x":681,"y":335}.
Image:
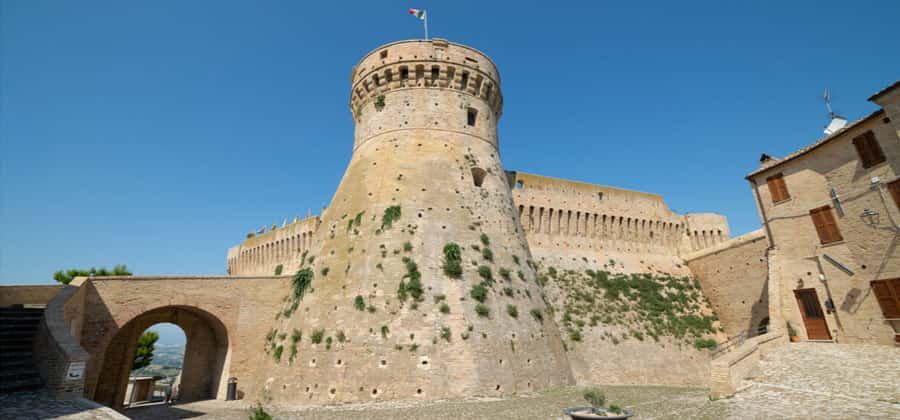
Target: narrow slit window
{"x":600,"y":195}
{"x":404,"y":73}
{"x":471,"y":116}
{"x":465,"y":81}
{"x":520,"y":184}
{"x":478,"y":175}
{"x":435,"y":73}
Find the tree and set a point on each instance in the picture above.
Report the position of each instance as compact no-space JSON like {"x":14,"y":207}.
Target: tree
{"x":66,"y":277}
{"x":143,"y":355}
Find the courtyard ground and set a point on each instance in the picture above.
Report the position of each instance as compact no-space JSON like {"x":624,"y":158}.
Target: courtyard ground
{"x":802,"y":380}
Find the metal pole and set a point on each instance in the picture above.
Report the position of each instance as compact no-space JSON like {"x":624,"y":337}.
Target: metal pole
{"x":426,"y":26}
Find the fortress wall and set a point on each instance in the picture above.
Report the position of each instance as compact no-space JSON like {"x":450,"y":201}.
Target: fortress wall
{"x":704,"y":230}
{"x":734,"y":276}
{"x":261,"y":254}
{"x":578,"y":225}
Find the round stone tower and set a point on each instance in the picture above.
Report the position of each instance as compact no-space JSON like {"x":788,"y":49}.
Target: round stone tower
{"x":391,"y":312}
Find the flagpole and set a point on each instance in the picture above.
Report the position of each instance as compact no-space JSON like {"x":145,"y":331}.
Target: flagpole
{"x":426,"y":26}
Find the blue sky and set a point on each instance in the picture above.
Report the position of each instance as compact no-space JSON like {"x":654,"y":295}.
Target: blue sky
{"x":157,"y":133}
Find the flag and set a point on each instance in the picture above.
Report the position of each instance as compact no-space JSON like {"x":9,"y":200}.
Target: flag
{"x":261,"y":230}
{"x":418,"y":13}
{"x":284,"y":222}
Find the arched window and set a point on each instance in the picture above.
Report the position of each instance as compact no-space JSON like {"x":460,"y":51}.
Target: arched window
{"x":478,"y":175}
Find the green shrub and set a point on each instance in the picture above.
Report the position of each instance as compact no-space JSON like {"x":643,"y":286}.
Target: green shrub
{"x":485,"y":240}
{"x":537,"y":315}
{"x":575,"y":335}
{"x":704,"y":343}
{"x":317,"y":336}
{"x":325,"y":271}
{"x":452,"y":260}
{"x":328,"y":342}
{"x":359,"y":303}
{"x":512,"y":311}
{"x":277,"y":354}
{"x":521,"y":275}
{"x":407,"y":246}
{"x":595,"y":397}
{"x":439,"y":298}
{"x":482,"y":310}
{"x":615,"y":409}
{"x":341,"y":337}
{"x":259,"y":413}
{"x":504,"y":273}
{"x":445,"y":309}
{"x":301,"y":282}
{"x":391,"y":214}
{"x":385,"y":331}
{"x":278,"y":269}
{"x":413,"y":347}
{"x":516,"y":259}
{"x":508,"y":291}
{"x":485,"y":273}
{"x":479,"y":292}
{"x":445,"y":333}
{"x":379,"y":102}
{"x":296,"y":336}
{"x":487,"y":254}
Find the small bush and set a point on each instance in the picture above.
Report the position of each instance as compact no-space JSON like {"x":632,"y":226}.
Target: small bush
{"x":301,"y":282}
{"x":259,"y":413}
{"x":407,"y":246}
{"x":445,"y":333}
{"x":487,"y":254}
{"x":452,"y":260}
{"x":278,"y":269}
{"x":704,"y":343}
{"x":445,"y":309}
{"x":485,"y":273}
{"x":615,"y":409}
{"x":277,"y":354}
{"x":328,"y":342}
{"x":359,"y":303}
{"x":479,"y":292}
{"x":379,"y":102}
{"x":537,"y":315}
{"x":575,"y":335}
{"x":482,"y":310}
{"x":521,"y":275}
{"x":391,"y":214}
{"x":516,"y":259}
{"x":485,"y":240}
{"x":512,"y":310}
{"x":317,"y":336}
{"x":341,"y":337}
{"x":508,"y":291}
{"x":504,"y":273}
{"x":385,"y":331}
{"x":325,"y":271}
{"x":296,"y":336}
{"x":371,"y":309}
{"x":595,"y":397}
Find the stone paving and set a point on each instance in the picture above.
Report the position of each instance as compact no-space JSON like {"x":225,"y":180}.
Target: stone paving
{"x":800,"y":380}
{"x":37,"y":405}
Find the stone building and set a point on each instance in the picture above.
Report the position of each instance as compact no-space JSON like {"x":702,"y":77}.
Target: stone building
{"x":830,"y":212}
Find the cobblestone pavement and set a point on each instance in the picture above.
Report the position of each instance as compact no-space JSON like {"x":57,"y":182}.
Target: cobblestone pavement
{"x":37,"y":405}
{"x":800,"y":380}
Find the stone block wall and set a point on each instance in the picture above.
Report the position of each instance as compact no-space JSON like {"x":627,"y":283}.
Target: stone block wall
{"x":734,"y":276}
{"x":28,"y":295}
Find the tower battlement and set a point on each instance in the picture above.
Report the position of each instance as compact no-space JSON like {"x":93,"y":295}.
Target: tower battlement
{"x":425,"y":84}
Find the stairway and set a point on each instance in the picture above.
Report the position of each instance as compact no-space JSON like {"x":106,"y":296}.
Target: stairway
{"x":18,"y":326}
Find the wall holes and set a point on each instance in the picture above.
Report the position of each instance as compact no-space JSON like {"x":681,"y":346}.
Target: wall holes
{"x":374,"y":391}
{"x":419,"y":391}
{"x":332,"y":391}
{"x":497,"y":388}
{"x":471,"y":116}
{"x":383,"y":362}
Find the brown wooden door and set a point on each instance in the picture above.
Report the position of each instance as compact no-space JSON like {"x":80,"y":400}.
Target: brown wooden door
{"x":813,"y":317}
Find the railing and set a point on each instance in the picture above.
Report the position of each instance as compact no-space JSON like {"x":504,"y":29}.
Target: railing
{"x":731,"y":343}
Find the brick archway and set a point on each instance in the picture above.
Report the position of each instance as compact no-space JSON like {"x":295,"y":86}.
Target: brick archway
{"x":205,"y":357}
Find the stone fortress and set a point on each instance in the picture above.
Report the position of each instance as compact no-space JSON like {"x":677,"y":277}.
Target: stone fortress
{"x":436,"y":273}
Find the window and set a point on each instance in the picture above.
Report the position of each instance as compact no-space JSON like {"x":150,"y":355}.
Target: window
{"x":887,"y":293}
{"x":384,"y":54}
{"x":777,"y":188}
{"x":435,"y":73}
{"x":826,"y":226}
{"x":869,"y":151}
{"x":478,"y":175}
{"x":404,"y":73}
{"x":520,"y":184}
{"x":894,"y":188}
{"x":465,"y":81}
{"x":471,"y":116}
{"x":600,"y":195}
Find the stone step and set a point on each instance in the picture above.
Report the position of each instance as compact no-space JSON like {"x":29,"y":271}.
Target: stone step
{"x":20,"y":312}
{"x":14,"y":354}
{"x":15,"y":335}
{"x":18,"y":363}
{"x":13,"y":373}
{"x":20,"y":326}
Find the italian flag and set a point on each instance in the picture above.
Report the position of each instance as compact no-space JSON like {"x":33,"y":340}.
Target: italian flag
{"x":418,"y":13}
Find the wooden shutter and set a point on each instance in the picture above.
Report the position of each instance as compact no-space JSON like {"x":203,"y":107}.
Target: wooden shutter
{"x":870,"y":153}
{"x":777,"y":188}
{"x":887,"y":292}
{"x":894,"y":188}
{"x":826,"y":225}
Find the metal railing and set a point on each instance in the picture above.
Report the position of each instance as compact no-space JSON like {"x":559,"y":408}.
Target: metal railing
{"x":728,"y":345}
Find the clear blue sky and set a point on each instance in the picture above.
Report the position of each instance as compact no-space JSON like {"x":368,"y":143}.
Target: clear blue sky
{"x":157,"y":133}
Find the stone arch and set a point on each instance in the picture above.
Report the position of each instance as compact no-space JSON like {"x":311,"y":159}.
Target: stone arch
{"x":205,"y":359}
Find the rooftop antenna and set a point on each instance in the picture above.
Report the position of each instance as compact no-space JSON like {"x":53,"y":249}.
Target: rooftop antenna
{"x":837,"y":122}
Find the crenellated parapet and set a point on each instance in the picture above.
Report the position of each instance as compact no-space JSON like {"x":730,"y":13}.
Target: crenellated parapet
{"x":431,"y":64}
{"x":261,"y":254}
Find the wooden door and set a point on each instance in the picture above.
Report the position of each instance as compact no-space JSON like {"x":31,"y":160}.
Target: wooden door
{"x":813,"y":317}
